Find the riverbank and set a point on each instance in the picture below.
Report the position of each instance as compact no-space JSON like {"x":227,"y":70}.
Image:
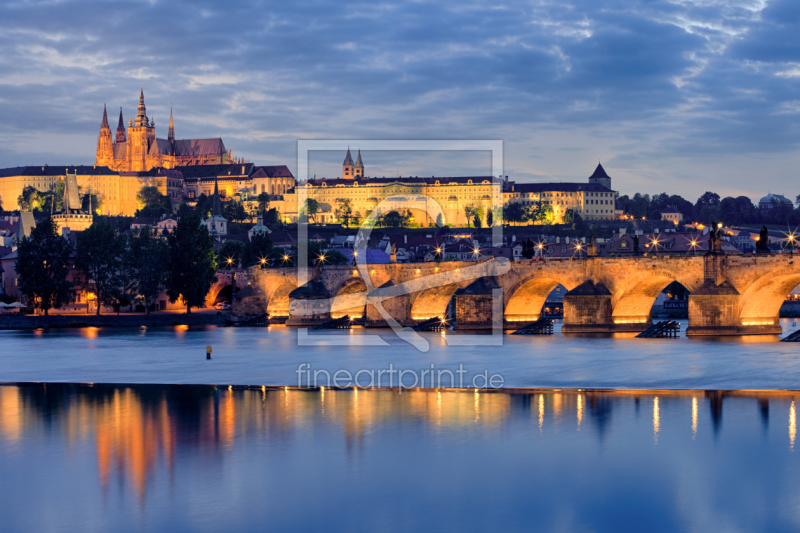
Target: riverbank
{"x":123,"y":320}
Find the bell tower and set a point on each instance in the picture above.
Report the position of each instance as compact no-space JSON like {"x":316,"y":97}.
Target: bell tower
{"x":141,"y":135}
{"x":105,"y":150}
{"x":348,"y":166}
{"x":358,"y":170}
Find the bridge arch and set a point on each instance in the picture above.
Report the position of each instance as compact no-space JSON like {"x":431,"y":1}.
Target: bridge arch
{"x":633,"y":300}
{"x":278,"y":304}
{"x":525,"y":300}
{"x":353,"y":285}
{"x":762,"y":300}
{"x":433,"y":302}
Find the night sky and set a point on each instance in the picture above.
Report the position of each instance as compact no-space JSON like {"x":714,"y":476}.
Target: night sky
{"x":681,"y":96}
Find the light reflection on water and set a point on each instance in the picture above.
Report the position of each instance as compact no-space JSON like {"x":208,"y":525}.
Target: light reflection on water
{"x":271,"y":356}
{"x":212,"y":458}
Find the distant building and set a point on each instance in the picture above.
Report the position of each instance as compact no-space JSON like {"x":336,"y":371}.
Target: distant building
{"x":138,"y":149}
{"x":770,"y":201}
{"x":671,"y":214}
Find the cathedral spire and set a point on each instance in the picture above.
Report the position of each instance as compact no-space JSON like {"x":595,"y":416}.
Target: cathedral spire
{"x":121,"y":135}
{"x":105,"y":118}
{"x":171,"y":134}
{"x":141,"y":117}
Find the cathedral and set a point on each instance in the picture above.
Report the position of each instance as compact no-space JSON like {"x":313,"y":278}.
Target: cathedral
{"x":138,"y":149}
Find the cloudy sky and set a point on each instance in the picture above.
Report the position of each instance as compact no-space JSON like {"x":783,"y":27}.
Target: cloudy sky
{"x":682,"y":96}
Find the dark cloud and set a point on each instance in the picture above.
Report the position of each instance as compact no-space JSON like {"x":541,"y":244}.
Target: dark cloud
{"x":663,"y":89}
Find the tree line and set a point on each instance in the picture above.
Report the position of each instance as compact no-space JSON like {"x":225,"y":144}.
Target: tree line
{"x":116,"y":268}
{"x":710,"y":207}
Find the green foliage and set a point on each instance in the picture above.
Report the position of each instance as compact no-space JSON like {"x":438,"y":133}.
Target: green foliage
{"x":99,"y":255}
{"x":393,"y":219}
{"x":439,"y":220}
{"x":334,"y":257}
{"x":539,"y":213}
{"x":514,"y":212}
{"x":234,"y":211}
{"x":344,"y":211}
{"x":146,"y":260}
{"x":259,"y":247}
{"x":91,"y":202}
{"x":204,"y":206}
{"x":490,"y":218}
{"x":273,"y":216}
{"x":192,"y":263}
{"x":230,"y":253}
{"x":42,"y":264}
{"x":316,"y":255}
{"x":311,"y":209}
{"x":151,"y":202}
{"x":474,"y":214}
{"x":263,"y":203}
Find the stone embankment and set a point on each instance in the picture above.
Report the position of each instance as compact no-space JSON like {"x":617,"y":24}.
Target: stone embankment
{"x":123,"y":320}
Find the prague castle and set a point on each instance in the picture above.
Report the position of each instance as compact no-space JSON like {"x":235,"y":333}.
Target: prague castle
{"x":139,"y":149}
{"x":185,"y":169}
{"x":593,"y":200}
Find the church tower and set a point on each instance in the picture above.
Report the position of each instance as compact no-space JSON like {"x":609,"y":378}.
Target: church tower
{"x":141,"y":136}
{"x":358,"y":171}
{"x":171,"y":133}
{"x":105,"y":150}
{"x":348,"y":166}
{"x":121,"y":135}
{"x":600,"y":177}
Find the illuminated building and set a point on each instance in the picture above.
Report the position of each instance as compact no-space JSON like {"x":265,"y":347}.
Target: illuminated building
{"x":138,"y":149}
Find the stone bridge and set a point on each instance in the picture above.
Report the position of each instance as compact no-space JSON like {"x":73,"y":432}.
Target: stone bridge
{"x":730,"y":294}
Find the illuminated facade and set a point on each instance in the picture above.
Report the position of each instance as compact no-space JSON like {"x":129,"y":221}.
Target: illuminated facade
{"x":116,"y":192}
{"x":593,"y":200}
{"x":138,"y":149}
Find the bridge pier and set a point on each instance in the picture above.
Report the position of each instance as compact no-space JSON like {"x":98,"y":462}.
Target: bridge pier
{"x":714,"y":310}
{"x":309,"y":305}
{"x":474,"y":304}
{"x":715,"y":306}
{"x":587,"y":309}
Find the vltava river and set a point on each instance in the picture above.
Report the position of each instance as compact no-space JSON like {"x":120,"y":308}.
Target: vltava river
{"x":271,"y":356}
{"x":203,"y":458}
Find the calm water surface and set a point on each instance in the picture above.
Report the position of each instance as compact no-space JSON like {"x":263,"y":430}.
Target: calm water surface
{"x":204,"y":458}
{"x":271,"y":356}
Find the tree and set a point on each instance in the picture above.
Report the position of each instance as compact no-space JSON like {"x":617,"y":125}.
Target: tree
{"x":257,"y":248}
{"x":489,"y":219}
{"x":98,"y":256}
{"x":439,"y":220}
{"x":92,"y":202}
{"x":29,"y":199}
{"x":311,"y":209}
{"x":146,"y":261}
{"x":344,"y":211}
{"x":263,"y":203}
{"x":469,"y":212}
{"x":230,"y":253}
{"x":393,"y":219}
{"x":42,"y":265}
{"x":476,"y":220}
{"x":234,"y":211}
{"x":204,"y":206}
{"x":706,"y":208}
{"x":273,"y":216}
{"x":191,"y":262}
{"x":513,"y":212}
{"x":151,"y":202}
{"x":540,"y":213}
